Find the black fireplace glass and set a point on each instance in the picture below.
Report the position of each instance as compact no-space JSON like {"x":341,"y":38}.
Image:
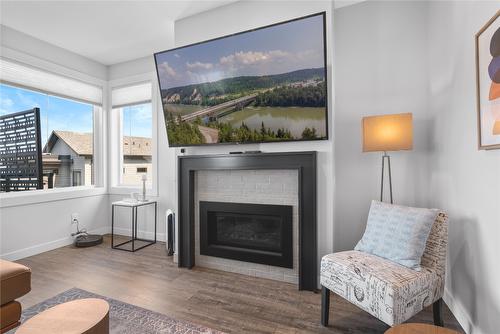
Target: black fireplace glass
{"x":258,"y":233}
{"x":246,"y":230}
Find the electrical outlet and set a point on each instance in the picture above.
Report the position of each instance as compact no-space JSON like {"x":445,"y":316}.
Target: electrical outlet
{"x":74,"y":218}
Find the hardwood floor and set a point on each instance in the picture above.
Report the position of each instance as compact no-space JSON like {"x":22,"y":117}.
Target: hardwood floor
{"x":225,"y":301}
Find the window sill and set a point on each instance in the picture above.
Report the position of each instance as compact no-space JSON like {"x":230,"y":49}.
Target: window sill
{"x":127,"y":190}
{"x":21,"y":198}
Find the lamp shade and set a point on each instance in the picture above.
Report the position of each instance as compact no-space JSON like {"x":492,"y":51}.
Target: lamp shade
{"x":496,"y":127}
{"x":388,"y":132}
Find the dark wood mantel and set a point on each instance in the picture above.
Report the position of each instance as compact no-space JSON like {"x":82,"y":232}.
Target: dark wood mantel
{"x":303,"y":162}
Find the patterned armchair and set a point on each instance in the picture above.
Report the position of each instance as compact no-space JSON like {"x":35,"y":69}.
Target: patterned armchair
{"x":387,"y":290}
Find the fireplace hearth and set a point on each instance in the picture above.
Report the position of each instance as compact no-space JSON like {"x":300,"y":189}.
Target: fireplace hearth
{"x":258,"y":233}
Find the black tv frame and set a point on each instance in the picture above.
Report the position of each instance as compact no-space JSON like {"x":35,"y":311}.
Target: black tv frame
{"x":323,"y":14}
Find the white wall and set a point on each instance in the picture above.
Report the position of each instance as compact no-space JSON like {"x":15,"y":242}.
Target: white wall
{"x":415,"y":57}
{"x":380,"y":68}
{"x":29,"y":228}
{"x":133,"y":67}
{"x":29,"y":45}
{"x":245,"y":15}
{"x":463,"y":180}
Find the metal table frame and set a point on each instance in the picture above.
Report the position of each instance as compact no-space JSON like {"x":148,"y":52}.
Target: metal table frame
{"x":134,"y":207}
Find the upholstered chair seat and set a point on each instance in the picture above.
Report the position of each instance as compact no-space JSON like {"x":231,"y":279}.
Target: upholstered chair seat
{"x":15,"y":282}
{"x":389,"y":291}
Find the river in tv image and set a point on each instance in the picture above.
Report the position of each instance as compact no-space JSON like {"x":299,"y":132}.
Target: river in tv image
{"x":247,"y":124}
{"x":294,"y":119}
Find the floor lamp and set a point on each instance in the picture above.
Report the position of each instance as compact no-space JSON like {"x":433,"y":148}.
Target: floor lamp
{"x":386,"y":133}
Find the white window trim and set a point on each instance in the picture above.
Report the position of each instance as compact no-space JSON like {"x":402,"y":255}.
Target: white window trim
{"x":115,"y":147}
{"x":29,"y":60}
{"x":42,"y":80}
{"x":21,"y":198}
{"x":47,"y":195}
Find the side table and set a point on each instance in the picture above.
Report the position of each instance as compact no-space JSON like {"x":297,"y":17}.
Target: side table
{"x":134,"y":206}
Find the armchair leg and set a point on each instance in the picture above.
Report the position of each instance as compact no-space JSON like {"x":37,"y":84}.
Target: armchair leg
{"x":325,"y":305}
{"x":437,"y":310}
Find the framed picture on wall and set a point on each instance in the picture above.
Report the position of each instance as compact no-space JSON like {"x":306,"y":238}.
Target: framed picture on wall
{"x":488,"y":83}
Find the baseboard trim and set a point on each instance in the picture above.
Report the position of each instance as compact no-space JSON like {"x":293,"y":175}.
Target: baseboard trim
{"x":46,"y":246}
{"x":460,"y":313}
{"x":54,"y":244}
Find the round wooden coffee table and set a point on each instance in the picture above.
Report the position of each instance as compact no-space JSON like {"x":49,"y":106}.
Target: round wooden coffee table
{"x":419,"y":329}
{"x":89,"y":316}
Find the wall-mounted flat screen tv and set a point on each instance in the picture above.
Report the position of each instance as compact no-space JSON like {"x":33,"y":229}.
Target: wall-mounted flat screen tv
{"x":262,"y":85}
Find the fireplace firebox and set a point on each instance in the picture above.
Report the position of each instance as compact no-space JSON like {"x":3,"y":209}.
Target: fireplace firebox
{"x":258,"y":233}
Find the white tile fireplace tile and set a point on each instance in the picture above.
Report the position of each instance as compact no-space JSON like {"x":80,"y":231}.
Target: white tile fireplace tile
{"x":249,"y":186}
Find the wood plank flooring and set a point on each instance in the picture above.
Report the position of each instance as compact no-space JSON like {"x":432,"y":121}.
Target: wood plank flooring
{"x":228,"y":302}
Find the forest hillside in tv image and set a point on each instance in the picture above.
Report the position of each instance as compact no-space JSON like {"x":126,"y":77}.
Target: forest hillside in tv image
{"x":260,"y":86}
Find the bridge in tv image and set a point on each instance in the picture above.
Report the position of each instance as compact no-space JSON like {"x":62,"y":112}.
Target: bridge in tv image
{"x":222,"y":109}
{"x":264,"y":85}
{"x":211,"y":135}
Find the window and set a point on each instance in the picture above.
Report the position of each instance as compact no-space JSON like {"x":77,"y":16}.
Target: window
{"x":136,"y":138}
{"x":133,"y":112}
{"x":77,"y":178}
{"x":66,"y":129}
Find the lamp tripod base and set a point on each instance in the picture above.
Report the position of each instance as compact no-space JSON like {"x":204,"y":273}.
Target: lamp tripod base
{"x":384,"y":157}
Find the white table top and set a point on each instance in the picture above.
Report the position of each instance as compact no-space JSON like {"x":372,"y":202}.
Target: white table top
{"x":132,"y":203}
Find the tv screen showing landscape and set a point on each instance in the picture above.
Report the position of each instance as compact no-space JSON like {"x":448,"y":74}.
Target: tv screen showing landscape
{"x":263,"y":85}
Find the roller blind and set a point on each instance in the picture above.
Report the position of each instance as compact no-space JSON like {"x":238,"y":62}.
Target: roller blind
{"x":25,"y":76}
{"x":130,"y":95}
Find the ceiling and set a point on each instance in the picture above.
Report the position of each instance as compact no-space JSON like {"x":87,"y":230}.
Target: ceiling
{"x":108,"y":32}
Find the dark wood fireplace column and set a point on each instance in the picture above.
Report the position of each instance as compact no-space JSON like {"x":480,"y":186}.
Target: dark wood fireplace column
{"x":303,"y":162}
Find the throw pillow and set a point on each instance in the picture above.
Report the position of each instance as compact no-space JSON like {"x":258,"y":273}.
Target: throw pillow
{"x":397,"y":233}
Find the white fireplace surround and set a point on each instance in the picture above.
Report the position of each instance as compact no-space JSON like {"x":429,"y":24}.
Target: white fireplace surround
{"x":248,"y":186}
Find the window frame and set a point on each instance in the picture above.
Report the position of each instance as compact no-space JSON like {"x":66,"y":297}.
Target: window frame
{"x":12,"y":199}
{"x":77,"y":173}
{"x":115,"y":147}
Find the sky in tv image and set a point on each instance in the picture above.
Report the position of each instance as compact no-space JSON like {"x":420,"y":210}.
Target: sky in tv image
{"x":258,"y":86}
{"x":274,"y":50}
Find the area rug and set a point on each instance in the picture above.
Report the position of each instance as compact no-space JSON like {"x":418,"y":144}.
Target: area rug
{"x":124,"y":318}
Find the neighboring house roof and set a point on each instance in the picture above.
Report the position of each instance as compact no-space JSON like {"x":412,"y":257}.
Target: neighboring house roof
{"x":81,"y":143}
{"x":49,"y":160}
{"x":136,"y":146}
